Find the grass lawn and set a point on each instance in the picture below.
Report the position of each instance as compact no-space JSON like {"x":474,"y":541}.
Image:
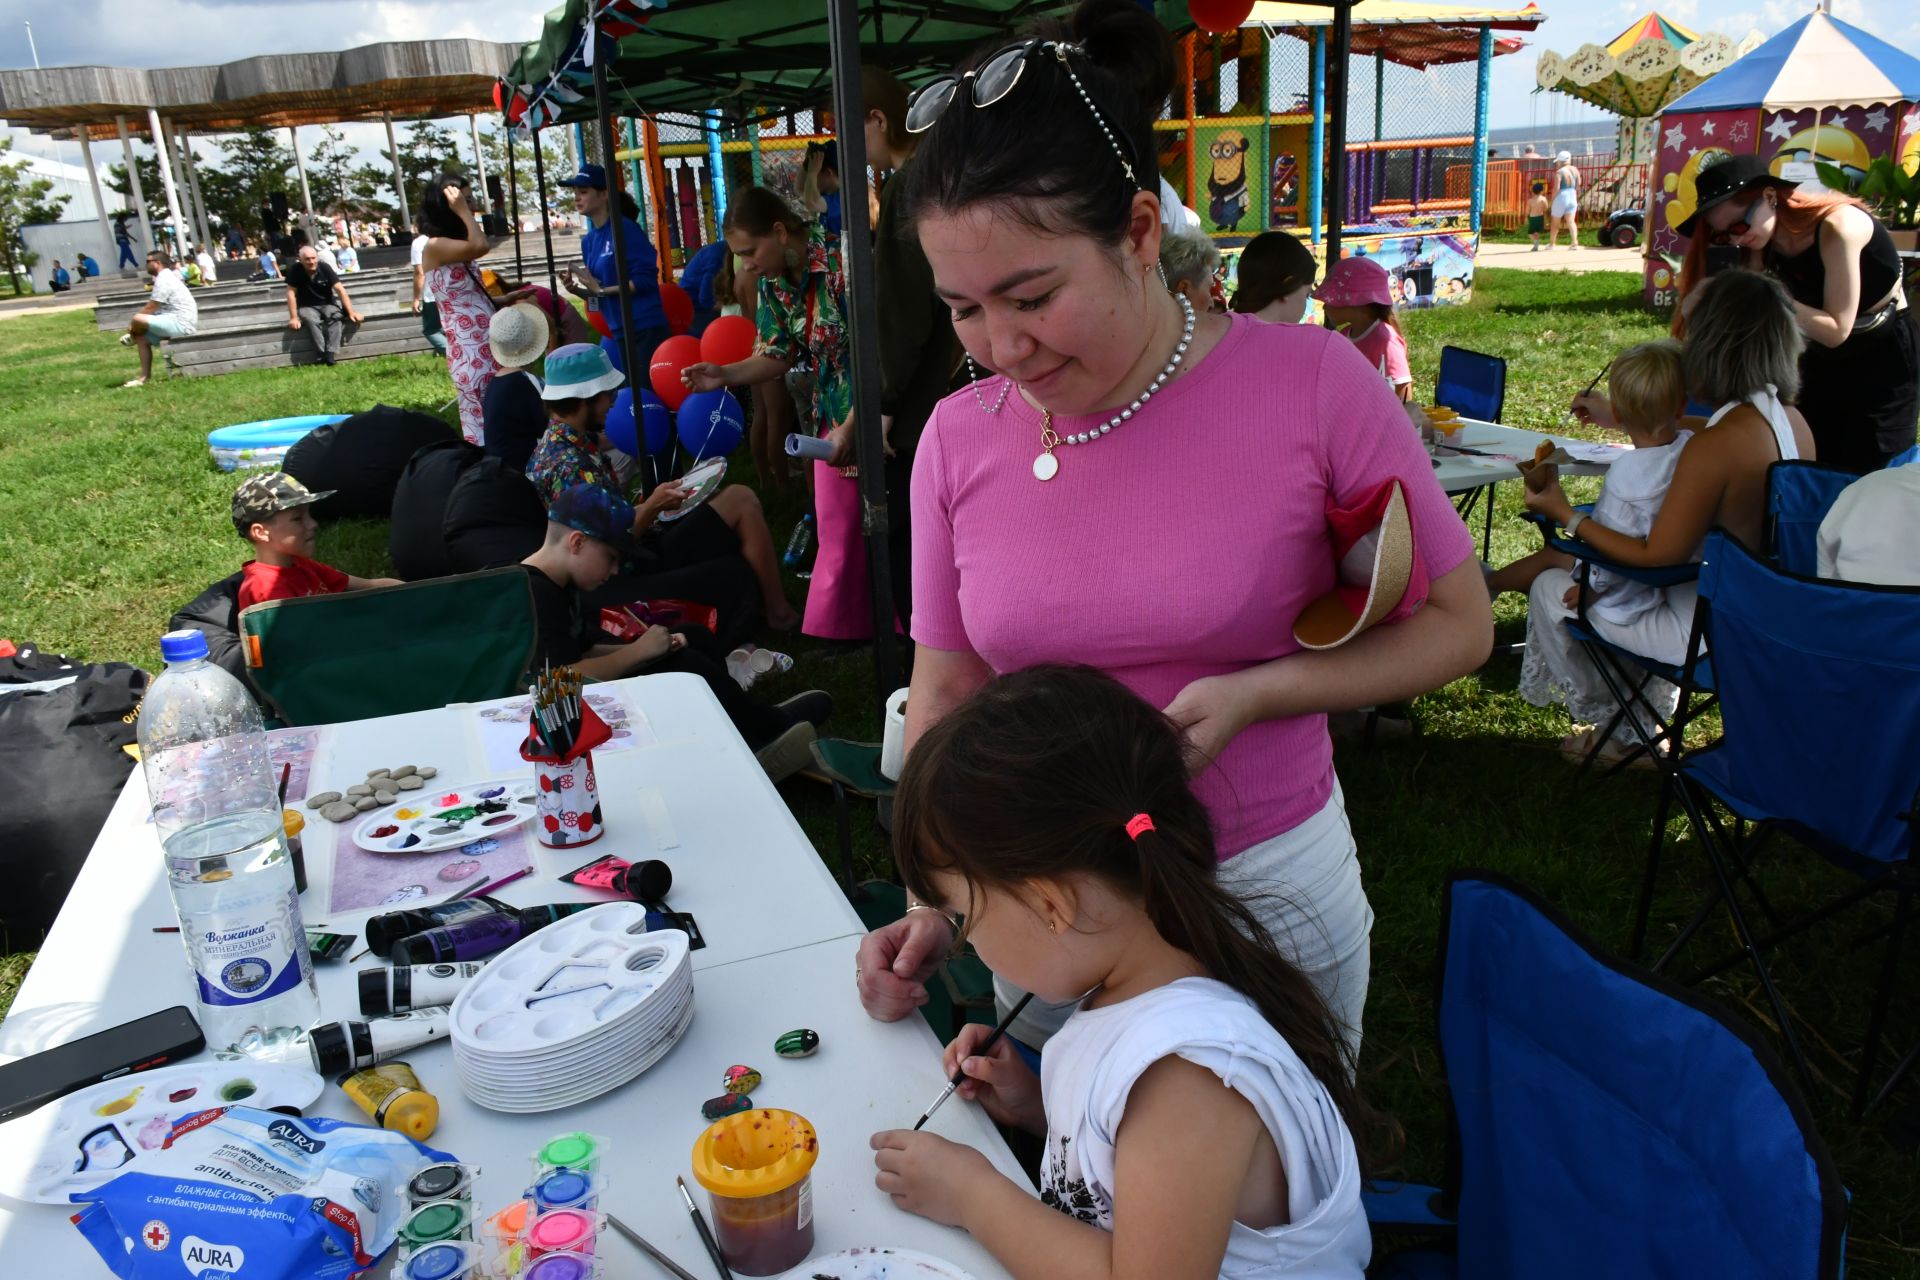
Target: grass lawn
{"x":111,"y":515}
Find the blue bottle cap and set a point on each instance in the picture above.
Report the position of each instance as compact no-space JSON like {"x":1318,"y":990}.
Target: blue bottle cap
{"x":437,"y":1262}
{"x":183,"y":646}
{"x":561,"y":1188}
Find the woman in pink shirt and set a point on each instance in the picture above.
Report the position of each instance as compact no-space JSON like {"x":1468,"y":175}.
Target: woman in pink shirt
{"x":1143,"y":489}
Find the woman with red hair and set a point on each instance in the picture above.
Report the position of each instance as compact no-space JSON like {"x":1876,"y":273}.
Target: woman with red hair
{"x":1860,"y":376}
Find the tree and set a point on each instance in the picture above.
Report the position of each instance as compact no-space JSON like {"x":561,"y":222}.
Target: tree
{"x":370,"y":189}
{"x":425,"y":149}
{"x":494,"y":144}
{"x":330,"y":171}
{"x":24,"y":202}
{"x":257,"y":163}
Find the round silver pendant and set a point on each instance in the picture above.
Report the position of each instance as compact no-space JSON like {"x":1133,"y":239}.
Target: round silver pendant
{"x":1046,"y":467}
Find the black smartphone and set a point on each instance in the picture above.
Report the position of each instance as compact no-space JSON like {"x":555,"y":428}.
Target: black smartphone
{"x":152,"y":1041}
{"x":1722,"y":257}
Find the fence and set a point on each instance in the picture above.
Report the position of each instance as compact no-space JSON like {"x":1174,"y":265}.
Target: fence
{"x":1606,"y":184}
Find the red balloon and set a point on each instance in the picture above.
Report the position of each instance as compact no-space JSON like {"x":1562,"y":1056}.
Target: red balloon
{"x":599,"y":323}
{"x":728,"y":339}
{"x":669,"y":359}
{"x":1219,"y":16}
{"x":679,"y":307}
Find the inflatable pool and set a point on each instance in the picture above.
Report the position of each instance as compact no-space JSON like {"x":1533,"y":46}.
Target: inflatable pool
{"x":262,"y":444}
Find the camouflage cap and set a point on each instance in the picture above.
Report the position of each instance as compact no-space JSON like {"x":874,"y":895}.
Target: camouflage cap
{"x":596,"y":512}
{"x":263,"y":496}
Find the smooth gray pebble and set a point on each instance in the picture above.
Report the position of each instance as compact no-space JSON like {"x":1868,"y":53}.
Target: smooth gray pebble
{"x":338,"y":810}
{"x":427,"y":771}
{"x":322,"y":800}
{"x":365,"y":803}
{"x":404,"y":771}
{"x":412,"y":782}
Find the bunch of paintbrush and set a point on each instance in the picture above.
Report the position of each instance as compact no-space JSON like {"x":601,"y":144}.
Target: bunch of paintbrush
{"x":557,"y":710}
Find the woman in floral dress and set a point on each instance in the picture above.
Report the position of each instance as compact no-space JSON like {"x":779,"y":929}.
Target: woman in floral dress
{"x":455,"y":244}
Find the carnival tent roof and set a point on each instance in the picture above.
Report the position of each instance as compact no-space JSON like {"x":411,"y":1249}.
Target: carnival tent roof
{"x":1819,"y":61}
{"x":1408,"y":32}
{"x":1638,"y":72}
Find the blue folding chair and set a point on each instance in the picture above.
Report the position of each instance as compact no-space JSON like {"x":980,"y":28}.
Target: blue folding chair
{"x":1604,"y":1123}
{"x":1474,"y":385}
{"x":1799,"y":495}
{"x":1819,"y":685}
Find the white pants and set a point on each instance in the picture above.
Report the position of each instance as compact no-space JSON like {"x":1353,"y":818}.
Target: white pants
{"x":1557,"y":668}
{"x":1303,"y":885}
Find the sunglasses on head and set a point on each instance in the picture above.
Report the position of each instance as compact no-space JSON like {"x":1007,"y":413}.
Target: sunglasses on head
{"x":995,"y":79}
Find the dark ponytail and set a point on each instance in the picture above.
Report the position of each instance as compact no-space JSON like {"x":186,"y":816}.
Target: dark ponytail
{"x":1039,"y":152}
{"x":1039,"y":773}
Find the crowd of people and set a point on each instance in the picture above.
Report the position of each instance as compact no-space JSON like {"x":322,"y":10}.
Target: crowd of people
{"x":1108,"y":515}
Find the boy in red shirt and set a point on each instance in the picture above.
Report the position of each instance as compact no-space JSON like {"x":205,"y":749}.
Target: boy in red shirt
{"x":271,"y":512}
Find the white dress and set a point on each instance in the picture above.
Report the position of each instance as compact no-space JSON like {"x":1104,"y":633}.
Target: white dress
{"x":1090,"y":1068}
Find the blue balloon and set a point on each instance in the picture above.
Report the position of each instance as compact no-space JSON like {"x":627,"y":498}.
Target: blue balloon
{"x":711,"y":424}
{"x":656,"y":423}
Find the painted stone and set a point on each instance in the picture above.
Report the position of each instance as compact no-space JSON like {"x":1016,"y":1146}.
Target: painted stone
{"x":797,"y":1044}
{"x":727,"y":1104}
{"x":412,"y":782}
{"x":322,"y":800}
{"x":357,"y":790}
{"x":738,"y":1079}
{"x":366,"y":804}
{"x":338,"y":810}
{"x":404,"y":770}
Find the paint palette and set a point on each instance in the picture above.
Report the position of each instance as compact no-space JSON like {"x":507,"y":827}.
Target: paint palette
{"x":577,"y":1009}
{"x":435,"y":820}
{"x":702,"y":481}
{"x":875,"y":1264}
{"x":85,"y":1139}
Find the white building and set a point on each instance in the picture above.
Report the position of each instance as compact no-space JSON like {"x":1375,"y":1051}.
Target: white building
{"x":69,"y":180}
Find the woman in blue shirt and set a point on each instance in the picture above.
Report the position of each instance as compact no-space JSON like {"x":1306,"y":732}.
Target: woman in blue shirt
{"x":641,"y":288}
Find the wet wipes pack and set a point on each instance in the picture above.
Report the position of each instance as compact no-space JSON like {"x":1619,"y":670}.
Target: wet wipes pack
{"x":242,"y":1194}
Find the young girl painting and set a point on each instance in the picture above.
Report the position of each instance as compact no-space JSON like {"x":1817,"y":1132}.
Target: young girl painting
{"x":1052,"y":811}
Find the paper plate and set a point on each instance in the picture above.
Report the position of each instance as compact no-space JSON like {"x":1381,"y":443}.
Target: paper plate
{"x":704,"y":479}
{"x":444,"y":818}
{"x":87,"y":1138}
{"x":876,"y":1263}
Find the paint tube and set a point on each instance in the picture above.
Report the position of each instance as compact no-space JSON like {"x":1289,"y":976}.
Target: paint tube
{"x":340,"y":1047}
{"x":646,"y":881}
{"x":405,"y":987}
{"x":384,"y":930}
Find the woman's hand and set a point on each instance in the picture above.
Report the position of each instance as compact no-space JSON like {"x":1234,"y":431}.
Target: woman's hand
{"x":1571,"y":596}
{"x":1550,"y":502}
{"x":841,"y":438}
{"x":456,"y":197}
{"x":999,"y":1080}
{"x":575,"y":285}
{"x":1211,"y":712}
{"x":512,"y":296}
{"x":703,"y":375}
{"x":928,"y":1175}
{"x":1541,"y":475}
{"x":895,"y":961}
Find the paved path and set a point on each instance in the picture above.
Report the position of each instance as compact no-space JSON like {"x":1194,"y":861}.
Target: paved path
{"x":1581,"y":259}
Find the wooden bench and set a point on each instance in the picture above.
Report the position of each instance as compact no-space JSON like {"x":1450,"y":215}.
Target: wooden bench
{"x":384,"y":331}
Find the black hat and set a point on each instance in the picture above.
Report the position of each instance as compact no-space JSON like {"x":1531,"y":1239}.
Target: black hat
{"x":1725,"y":180}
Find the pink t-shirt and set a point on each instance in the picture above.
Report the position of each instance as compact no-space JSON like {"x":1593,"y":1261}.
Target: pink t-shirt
{"x":1181,"y":545}
{"x":1386,"y":350}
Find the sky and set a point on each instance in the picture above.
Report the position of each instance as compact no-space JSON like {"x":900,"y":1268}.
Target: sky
{"x":161,"y":33}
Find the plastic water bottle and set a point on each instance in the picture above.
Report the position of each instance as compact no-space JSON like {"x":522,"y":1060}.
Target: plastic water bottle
{"x":799,"y":541}
{"x":217,"y":809}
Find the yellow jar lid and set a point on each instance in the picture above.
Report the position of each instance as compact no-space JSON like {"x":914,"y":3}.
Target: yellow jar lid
{"x":292,"y":822}
{"x":755,"y":1153}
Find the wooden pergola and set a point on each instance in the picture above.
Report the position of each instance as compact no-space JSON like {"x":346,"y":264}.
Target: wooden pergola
{"x":374,"y":83}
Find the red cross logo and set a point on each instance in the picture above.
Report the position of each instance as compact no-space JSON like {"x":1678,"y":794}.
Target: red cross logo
{"x":156,"y":1235}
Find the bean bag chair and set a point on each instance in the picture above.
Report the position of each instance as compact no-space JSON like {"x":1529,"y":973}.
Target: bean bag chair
{"x":493,"y":517}
{"x":414,"y":538}
{"x":63,"y":727}
{"x":361,"y":458}
{"x":215,"y":614}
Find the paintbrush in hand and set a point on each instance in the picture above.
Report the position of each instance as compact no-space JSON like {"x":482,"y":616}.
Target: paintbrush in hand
{"x":959,"y":1077}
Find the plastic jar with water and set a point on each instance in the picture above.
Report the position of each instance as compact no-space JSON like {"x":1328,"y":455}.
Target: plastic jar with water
{"x":216,"y":808}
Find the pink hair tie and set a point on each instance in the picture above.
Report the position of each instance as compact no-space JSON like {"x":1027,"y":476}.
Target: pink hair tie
{"x":1139,"y":823}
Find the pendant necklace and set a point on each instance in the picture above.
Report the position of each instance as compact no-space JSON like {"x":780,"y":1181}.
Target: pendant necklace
{"x":1046,"y":466}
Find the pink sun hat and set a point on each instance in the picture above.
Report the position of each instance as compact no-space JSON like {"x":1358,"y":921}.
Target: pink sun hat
{"x":1355,"y":282}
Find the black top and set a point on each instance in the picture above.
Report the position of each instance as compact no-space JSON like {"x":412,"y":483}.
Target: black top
{"x":1805,"y":273}
{"x":314,"y":290}
{"x":561,"y":636}
{"x":918,"y":349}
{"x":514,"y":417}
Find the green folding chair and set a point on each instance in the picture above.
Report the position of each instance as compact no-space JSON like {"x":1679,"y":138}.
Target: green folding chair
{"x":326,"y":659}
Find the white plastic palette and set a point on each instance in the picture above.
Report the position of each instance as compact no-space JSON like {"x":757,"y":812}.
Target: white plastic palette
{"x":435,"y":820}
{"x":88,"y":1138}
{"x":875,"y":1264}
{"x":577,"y":1009}
{"x":702,"y":481}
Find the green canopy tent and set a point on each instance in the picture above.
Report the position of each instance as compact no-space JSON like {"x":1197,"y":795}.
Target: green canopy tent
{"x":745,"y":58}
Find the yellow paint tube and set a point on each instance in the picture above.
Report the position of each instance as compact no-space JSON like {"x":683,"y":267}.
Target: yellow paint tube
{"x":391,"y":1094}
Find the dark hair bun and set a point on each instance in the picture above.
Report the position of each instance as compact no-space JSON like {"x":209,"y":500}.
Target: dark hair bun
{"x":1128,"y":43}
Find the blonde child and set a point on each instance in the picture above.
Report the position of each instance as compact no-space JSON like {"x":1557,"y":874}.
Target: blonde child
{"x":1358,"y":299}
{"x":1537,"y":207}
{"x":1052,"y":811}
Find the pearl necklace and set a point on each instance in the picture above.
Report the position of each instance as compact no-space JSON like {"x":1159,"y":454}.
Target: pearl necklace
{"x":1046,"y":466}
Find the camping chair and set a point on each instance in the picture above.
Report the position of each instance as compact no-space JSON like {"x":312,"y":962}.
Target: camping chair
{"x":1799,"y":495}
{"x":1819,"y":685}
{"x":1603,"y":1122}
{"x":1475,"y":386}
{"x":323,"y":659}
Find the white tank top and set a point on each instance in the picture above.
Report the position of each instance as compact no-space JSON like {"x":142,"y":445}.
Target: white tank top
{"x":1768,"y":403}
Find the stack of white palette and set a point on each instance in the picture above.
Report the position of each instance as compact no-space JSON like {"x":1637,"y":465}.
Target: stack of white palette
{"x":577,"y":1009}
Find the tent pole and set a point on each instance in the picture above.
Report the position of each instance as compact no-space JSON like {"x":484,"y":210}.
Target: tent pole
{"x":1482,"y":92}
{"x":863,"y":325}
{"x":616,"y":224}
{"x":1338,"y":66}
{"x":513,"y":204}
{"x":546,"y":226}
{"x":1317,"y":138}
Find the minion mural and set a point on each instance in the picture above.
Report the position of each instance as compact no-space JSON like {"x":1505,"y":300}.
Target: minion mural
{"x":1227,"y":198}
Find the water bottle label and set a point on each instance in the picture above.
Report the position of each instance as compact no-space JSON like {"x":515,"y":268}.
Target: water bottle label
{"x":241,"y":959}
